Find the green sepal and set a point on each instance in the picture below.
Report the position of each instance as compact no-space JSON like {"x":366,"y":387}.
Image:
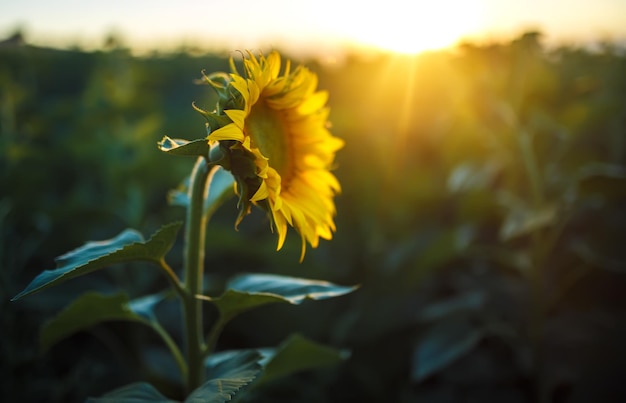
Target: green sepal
{"x":227,"y":374}
{"x":229,"y":98}
{"x":92,"y":308}
{"x":248,"y":291}
{"x":128,"y":246}
{"x":215,"y":119}
{"x":194,"y":148}
{"x":140,"y":392}
{"x":218,"y":80}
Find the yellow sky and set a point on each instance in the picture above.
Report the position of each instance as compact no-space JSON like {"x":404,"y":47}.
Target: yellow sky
{"x":308,"y":26}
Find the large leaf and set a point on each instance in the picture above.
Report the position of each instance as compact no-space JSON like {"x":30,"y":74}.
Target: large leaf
{"x":298,"y":354}
{"x":199,"y":147}
{"x":127,"y":246}
{"x":227,"y":374}
{"x":134,"y":393}
{"x":92,"y":308}
{"x":443,"y":344}
{"x":294,"y":355}
{"x":248,"y":291}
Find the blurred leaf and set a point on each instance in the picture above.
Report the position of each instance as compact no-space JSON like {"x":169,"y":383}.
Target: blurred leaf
{"x":525,"y":221}
{"x":587,"y":254}
{"x":179,"y":196}
{"x":441,"y":309}
{"x":127,"y":246}
{"x":606,"y":179}
{"x":436,"y":248}
{"x":507,"y":258}
{"x":298,"y":354}
{"x":468,"y":177}
{"x":227,"y":375}
{"x":199,"y":147}
{"x":144,"y":306}
{"x":443,"y":344}
{"x":220,"y":190}
{"x":159,"y":363}
{"x":602,"y":169}
{"x":134,"y":393}
{"x":92,"y":308}
{"x":248,"y":291}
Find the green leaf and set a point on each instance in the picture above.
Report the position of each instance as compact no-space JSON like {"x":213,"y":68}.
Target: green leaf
{"x":608,"y":180}
{"x":144,"y":306}
{"x":596,"y":169}
{"x":92,"y":308}
{"x":293,"y":289}
{"x":591,"y":256}
{"x":443,"y":344}
{"x":298,"y":354}
{"x":470,"y":301}
{"x":220,"y":190}
{"x":233,"y":302}
{"x":471,"y":177}
{"x":199,"y":147}
{"x":294,"y":355}
{"x":525,"y":221}
{"x":134,"y":393}
{"x":127,"y":246}
{"x":227,"y":374}
{"x":248,"y":291}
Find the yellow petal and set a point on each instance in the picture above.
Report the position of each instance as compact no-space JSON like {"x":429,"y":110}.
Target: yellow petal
{"x":237,"y":116}
{"x":228,"y":132}
{"x":314,"y":103}
{"x":261,"y":194}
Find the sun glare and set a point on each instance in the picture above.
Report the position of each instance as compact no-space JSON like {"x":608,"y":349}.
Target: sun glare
{"x":412,"y":27}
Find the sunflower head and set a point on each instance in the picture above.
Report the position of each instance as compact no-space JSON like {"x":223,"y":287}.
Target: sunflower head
{"x":270,"y":130}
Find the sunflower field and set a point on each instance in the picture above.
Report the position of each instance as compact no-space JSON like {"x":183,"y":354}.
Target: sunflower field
{"x":482,"y":215}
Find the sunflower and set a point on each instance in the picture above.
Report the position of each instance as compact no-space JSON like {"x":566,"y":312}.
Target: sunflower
{"x":277,"y":144}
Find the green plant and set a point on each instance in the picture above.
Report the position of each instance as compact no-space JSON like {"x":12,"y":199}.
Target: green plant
{"x":204,"y":374}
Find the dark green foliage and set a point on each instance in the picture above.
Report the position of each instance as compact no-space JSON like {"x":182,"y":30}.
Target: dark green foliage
{"x":134,"y":393}
{"x":248,"y":291}
{"x":227,"y":377}
{"x":127,"y":246}
{"x":482,"y":212}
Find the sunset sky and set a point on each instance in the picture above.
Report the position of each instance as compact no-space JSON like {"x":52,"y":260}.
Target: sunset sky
{"x":309,"y":26}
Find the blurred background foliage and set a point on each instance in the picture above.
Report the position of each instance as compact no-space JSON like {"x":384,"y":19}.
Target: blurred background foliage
{"x":482,"y":212}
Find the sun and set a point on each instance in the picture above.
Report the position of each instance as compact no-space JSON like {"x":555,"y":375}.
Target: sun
{"x":410,"y":27}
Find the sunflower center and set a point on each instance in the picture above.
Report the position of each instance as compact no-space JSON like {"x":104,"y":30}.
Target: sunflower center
{"x":269,"y":132}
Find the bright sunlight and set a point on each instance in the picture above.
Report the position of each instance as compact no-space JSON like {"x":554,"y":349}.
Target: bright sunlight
{"x":410,"y":27}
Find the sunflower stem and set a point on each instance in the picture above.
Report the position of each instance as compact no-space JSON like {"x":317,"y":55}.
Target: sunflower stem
{"x":195,"y":236}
